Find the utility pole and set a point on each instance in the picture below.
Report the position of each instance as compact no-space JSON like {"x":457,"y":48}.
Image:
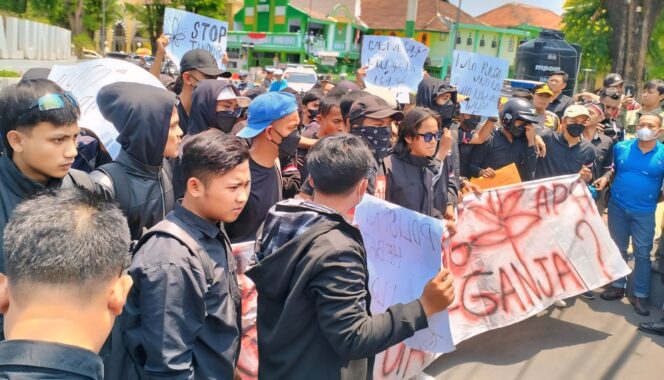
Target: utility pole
{"x":411,"y":14}
{"x":102,"y":35}
{"x":452,"y":37}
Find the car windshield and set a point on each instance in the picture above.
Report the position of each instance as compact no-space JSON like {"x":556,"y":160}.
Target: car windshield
{"x":301,"y":78}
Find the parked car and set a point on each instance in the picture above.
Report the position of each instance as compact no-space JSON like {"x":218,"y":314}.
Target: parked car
{"x":301,"y":78}
{"x":90,"y":54}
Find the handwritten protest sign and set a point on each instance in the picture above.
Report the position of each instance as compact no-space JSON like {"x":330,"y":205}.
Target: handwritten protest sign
{"x":189,"y":31}
{"x":481,"y":78}
{"x":403,"y":253}
{"x":517,"y":250}
{"x":393,"y":62}
{"x":520,"y":248}
{"x":85,"y":80}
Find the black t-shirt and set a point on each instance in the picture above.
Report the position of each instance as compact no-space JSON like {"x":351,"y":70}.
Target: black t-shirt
{"x":184,"y":118}
{"x":604,"y":150}
{"x":497,"y":152}
{"x":465,"y":151}
{"x":562,"y":159}
{"x":265,"y":193}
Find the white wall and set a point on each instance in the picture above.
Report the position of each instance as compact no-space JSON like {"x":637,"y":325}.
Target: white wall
{"x":24,"y":39}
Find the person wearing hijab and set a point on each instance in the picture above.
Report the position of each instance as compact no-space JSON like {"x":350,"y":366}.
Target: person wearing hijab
{"x":215,"y":104}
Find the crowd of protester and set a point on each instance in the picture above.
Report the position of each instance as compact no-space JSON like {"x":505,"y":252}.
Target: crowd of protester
{"x":131,"y":258}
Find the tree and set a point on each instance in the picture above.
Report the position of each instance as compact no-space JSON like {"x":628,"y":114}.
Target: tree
{"x":151,"y":14}
{"x":633,"y":23}
{"x":586,"y":23}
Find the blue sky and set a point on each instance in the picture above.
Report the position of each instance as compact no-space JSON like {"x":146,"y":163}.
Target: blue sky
{"x":477,"y":7}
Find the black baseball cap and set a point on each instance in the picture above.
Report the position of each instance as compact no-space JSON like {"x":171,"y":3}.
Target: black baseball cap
{"x":612,"y":80}
{"x":373,"y":107}
{"x":203,"y":61}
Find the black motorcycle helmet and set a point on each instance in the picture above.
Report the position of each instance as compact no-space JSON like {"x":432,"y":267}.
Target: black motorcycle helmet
{"x":518,"y":109}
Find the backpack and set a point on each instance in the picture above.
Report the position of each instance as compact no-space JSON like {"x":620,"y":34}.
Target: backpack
{"x":119,"y":361}
{"x":115,"y":178}
{"x":77,"y":178}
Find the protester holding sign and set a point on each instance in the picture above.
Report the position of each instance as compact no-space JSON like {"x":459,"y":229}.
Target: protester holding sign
{"x":310,"y":267}
{"x":514,"y":143}
{"x":140,"y":178}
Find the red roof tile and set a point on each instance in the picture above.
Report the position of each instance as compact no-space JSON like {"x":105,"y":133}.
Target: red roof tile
{"x":391,"y":14}
{"x":515,"y":14}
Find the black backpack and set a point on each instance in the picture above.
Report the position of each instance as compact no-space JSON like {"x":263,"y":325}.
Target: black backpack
{"x":120,"y":363}
{"x":116,"y":179}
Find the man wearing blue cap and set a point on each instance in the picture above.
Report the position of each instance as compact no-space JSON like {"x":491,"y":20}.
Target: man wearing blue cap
{"x":272,"y":127}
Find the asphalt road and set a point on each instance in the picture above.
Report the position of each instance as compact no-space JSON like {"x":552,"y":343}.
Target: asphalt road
{"x":589,"y":340}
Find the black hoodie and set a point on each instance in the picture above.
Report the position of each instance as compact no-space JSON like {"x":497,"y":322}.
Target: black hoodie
{"x":313,"y":298}
{"x":142,"y":116}
{"x":421,"y":184}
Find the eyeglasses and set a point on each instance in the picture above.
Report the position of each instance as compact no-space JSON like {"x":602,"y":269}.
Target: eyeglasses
{"x":427,"y":137}
{"x":233,"y":113}
{"x":54,"y":101}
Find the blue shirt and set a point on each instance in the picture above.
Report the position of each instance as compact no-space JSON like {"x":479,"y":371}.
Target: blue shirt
{"x":639,"y":176}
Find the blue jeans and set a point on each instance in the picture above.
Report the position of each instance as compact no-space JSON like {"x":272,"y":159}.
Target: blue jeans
{"x":640,"y":226}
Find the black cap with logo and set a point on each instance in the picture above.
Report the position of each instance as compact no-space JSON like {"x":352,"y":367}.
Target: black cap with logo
{"x":203,"y":61}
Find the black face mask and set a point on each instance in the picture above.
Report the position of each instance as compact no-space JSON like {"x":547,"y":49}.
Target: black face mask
{"x":225,"y":122}
{"x":378,"y":139}
{"x":575,"y":130}
{"x":446,"y":111}
{"x":288,"y":145}
{"x":516,"y":131}
{"x":470,"y":124}
{"x":313,"y":114}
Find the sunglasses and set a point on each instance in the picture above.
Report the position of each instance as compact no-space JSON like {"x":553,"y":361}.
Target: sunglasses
{"x":427,"y":137}
{"x":53,"y":101}
{"x":237,"y":112}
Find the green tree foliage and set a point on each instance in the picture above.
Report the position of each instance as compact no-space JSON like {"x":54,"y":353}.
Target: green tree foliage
{"x":655,"y":66}
{"x":586,"y":23}
{"x":210,"y":8}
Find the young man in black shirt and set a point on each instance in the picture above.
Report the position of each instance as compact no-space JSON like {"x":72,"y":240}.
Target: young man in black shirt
{"x":513,"y":143}
{"x":603,"y":165}
{"x":311,"y":276}
{"x":63,"y":285}
{"x":273,"y":128}
{"x":567,"y":152}
{"x":183,"y":315}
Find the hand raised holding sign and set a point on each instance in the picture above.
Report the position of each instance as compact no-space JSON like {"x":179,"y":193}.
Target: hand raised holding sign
{"x":438,"y":293}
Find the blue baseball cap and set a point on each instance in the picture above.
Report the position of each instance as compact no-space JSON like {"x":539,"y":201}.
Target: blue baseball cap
{"x":265,"y":109}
